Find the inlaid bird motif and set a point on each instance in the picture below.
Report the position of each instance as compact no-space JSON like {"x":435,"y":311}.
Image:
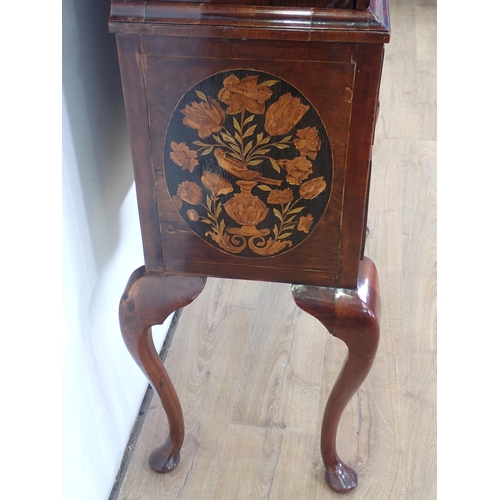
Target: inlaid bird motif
{"x":240,"y":170}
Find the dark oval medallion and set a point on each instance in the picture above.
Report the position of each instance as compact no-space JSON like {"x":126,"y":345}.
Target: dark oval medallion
{"x":248,"y":163}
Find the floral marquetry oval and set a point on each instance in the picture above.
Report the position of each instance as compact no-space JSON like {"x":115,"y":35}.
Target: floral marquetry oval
{"x":248,"y":163}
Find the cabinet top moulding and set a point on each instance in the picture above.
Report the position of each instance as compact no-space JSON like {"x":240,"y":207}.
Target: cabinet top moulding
{"x":244,"y":20}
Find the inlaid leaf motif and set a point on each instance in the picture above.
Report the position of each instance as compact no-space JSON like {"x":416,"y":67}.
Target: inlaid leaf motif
{"x":275,"y":165}
{"x":201,"y":95}
{"x":248,"y":147}
{"x":264,"y":151}
{"x":237,"y":125}
{"x":269,"y":83}
{"x":248,"y":120}
{"x":253,"y":163}
{"x":207,"y":151}
{"x":249,"y":132}
{"x":228,"y":138}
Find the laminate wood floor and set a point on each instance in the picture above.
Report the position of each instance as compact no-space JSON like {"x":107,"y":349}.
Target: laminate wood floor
{"x":253,"y":371}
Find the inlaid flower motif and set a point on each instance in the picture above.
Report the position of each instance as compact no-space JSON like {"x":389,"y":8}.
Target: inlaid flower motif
{"x":308,"y":142}
{"x":177,"y":202}
{"x":193,"y":215}
{"x":298,"y":169}
{"x":205,"y":117}
{"x":312,"y":188}
{"x":183,"y":156}
{"x":280,"y":196}
{"x":216,"y":184}
{"x":244,"y":94}
{"x":284,"y":114}
{"x":305,"y":223}
{"x":190,"y":192}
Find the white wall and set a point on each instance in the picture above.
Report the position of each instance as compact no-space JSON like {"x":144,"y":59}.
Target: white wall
{"x":102,"y":386}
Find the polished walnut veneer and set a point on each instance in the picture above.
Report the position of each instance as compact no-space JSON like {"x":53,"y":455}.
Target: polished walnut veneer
{"x":251,"y":126}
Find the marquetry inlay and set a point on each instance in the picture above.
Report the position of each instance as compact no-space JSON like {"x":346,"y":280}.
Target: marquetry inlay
{"x":248,"y":163}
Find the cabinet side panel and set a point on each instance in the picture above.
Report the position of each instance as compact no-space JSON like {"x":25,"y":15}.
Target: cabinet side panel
{"x":324,"y":76}
{"x":364,"y":105}
{"x":139,"y":131}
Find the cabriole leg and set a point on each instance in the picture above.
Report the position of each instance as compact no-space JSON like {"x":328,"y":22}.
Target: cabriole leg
{"x":352,"y":316}
{"x":148,"y":300}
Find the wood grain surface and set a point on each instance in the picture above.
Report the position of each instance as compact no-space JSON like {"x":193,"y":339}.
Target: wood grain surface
{"x":253,"y":371}
{"x":193,"y":84}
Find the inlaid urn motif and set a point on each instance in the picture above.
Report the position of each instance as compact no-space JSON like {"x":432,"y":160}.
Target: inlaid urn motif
{"x":248,"y":163}
{"x":247,"y":210}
